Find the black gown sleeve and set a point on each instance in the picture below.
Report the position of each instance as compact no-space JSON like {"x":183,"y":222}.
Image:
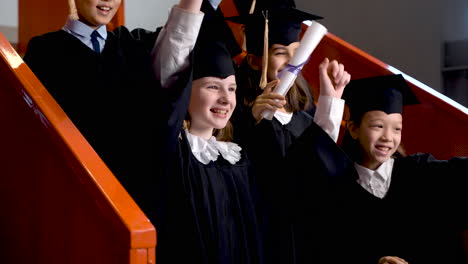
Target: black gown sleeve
{"x":173,"y":109}
{"x":147,"y":37}
{"x":446,"y":179}
{"x":38,"y":57}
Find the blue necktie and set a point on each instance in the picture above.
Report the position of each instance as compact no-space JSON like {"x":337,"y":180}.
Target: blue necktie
{"x":95,"y":42}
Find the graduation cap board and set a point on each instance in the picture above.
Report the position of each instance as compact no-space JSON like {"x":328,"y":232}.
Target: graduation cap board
{"x":245,"y":6}
{"x":284,"y":26}
{"x":211,"y":56}
{"x":388,"y":93}
{"x":217,"y":24}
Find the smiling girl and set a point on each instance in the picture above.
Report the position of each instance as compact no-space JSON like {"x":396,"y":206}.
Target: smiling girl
{"x":206,"y":206}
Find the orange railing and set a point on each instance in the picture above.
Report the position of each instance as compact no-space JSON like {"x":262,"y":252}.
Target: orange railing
{"x":59,"y":201}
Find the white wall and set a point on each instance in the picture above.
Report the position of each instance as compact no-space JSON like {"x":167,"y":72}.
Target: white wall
{"x":9,"y":13}
{"x":138,"y":13}
{"x":408,"y":35}
{"x":9,"y":19}
{"x":404,"y":34}
{"x":147,"y":14}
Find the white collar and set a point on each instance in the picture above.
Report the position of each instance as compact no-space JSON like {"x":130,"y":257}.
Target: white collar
{"x":79,"y":28}
{"x":209,"y":150}
{"x":283,"y":118}
{"x":376,"y":181}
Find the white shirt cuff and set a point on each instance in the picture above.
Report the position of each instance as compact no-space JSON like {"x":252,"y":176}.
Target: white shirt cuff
{"x":329,"y":114}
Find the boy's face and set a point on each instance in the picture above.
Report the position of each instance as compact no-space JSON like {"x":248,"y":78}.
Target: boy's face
{"x":379,"y":136}
{"x":95,"y":13}
{"x":279,"y":57}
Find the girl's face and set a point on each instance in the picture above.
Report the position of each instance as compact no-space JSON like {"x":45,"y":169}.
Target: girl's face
{"x":211,"y":104}
{"x":95,"y":13}
{"x":279,"y":56}
{"x":379,"y":136}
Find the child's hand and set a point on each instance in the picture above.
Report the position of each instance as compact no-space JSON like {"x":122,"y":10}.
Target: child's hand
{"x":267,"y":101}
{"x":333,"y":78}
{"x":192,"y":6}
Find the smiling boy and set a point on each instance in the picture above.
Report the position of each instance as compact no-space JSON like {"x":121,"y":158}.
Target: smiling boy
{"x":104,"y":81}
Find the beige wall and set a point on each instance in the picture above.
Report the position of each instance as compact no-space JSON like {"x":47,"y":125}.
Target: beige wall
{"x":408,"y":35}
{"x":405,"y":34}
{"x":147,"y":14}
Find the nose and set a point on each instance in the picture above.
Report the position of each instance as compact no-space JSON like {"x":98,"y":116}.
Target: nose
{"x":223,"y":97}
{"x":387,"y":135}
{"x":223,"y":100}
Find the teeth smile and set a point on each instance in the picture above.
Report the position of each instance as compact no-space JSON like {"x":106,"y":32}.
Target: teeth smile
{"x":383,"y":148}
{"x":220,"y":111}
{"x":104,"y":8}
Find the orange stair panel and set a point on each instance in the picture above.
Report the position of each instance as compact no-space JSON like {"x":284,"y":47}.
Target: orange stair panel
{"x":60,"y":202}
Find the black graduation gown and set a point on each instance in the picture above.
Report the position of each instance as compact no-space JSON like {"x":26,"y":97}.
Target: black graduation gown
{"x":299,"y":168}
{"x":110,"y":97}
{"x":420,"y":219}
{"x":204,"y":213}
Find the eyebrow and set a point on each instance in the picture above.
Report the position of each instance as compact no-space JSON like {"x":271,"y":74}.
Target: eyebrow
{"x":278,"y":47}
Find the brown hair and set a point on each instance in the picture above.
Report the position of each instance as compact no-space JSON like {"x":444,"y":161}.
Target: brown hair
{"x":296,"y":98}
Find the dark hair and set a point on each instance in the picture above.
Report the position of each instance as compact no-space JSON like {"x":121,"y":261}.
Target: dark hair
{"x":350,"y":145}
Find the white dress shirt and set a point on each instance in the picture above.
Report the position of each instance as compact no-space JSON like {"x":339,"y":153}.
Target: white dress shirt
{"x":174,"y":44}
{"x":376,"y":182}
{"x":83,"y":32}
{"x":328,"y":115}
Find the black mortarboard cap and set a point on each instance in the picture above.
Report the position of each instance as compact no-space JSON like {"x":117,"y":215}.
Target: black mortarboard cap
{"x":218,"y":25}
{"x":244,"y":6}
{"x":284,"y":24}
{"x":211,"y":56}
{"x":388,"y":93}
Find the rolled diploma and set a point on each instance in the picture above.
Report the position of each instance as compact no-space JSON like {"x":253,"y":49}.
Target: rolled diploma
{"x":309,"y":42}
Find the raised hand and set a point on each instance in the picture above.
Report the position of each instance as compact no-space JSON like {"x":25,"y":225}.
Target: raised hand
{"x":267,"y":101}
{"x":333,"y":78}
{"x":192,"y":6}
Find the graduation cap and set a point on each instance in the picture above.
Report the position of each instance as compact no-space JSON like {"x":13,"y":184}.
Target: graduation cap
{"x":211,"y":55}
{"x":247,"y":6}
{"x":284,"y":24}
{"x":214,"y":17}
{"x":271,"y":22}
{"x":388,"y":93}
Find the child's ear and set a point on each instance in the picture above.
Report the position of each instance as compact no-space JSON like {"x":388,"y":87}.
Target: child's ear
{"x":353,"y":129}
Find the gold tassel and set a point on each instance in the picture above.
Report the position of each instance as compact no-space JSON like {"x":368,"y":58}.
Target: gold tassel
{"x":252,"y":7}
{"x":263,"y":80}
{"x":73,"y":11}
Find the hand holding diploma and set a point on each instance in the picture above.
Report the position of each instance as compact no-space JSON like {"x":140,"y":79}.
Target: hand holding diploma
{"x":309,"y":42}
{"x":267,"y":101}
